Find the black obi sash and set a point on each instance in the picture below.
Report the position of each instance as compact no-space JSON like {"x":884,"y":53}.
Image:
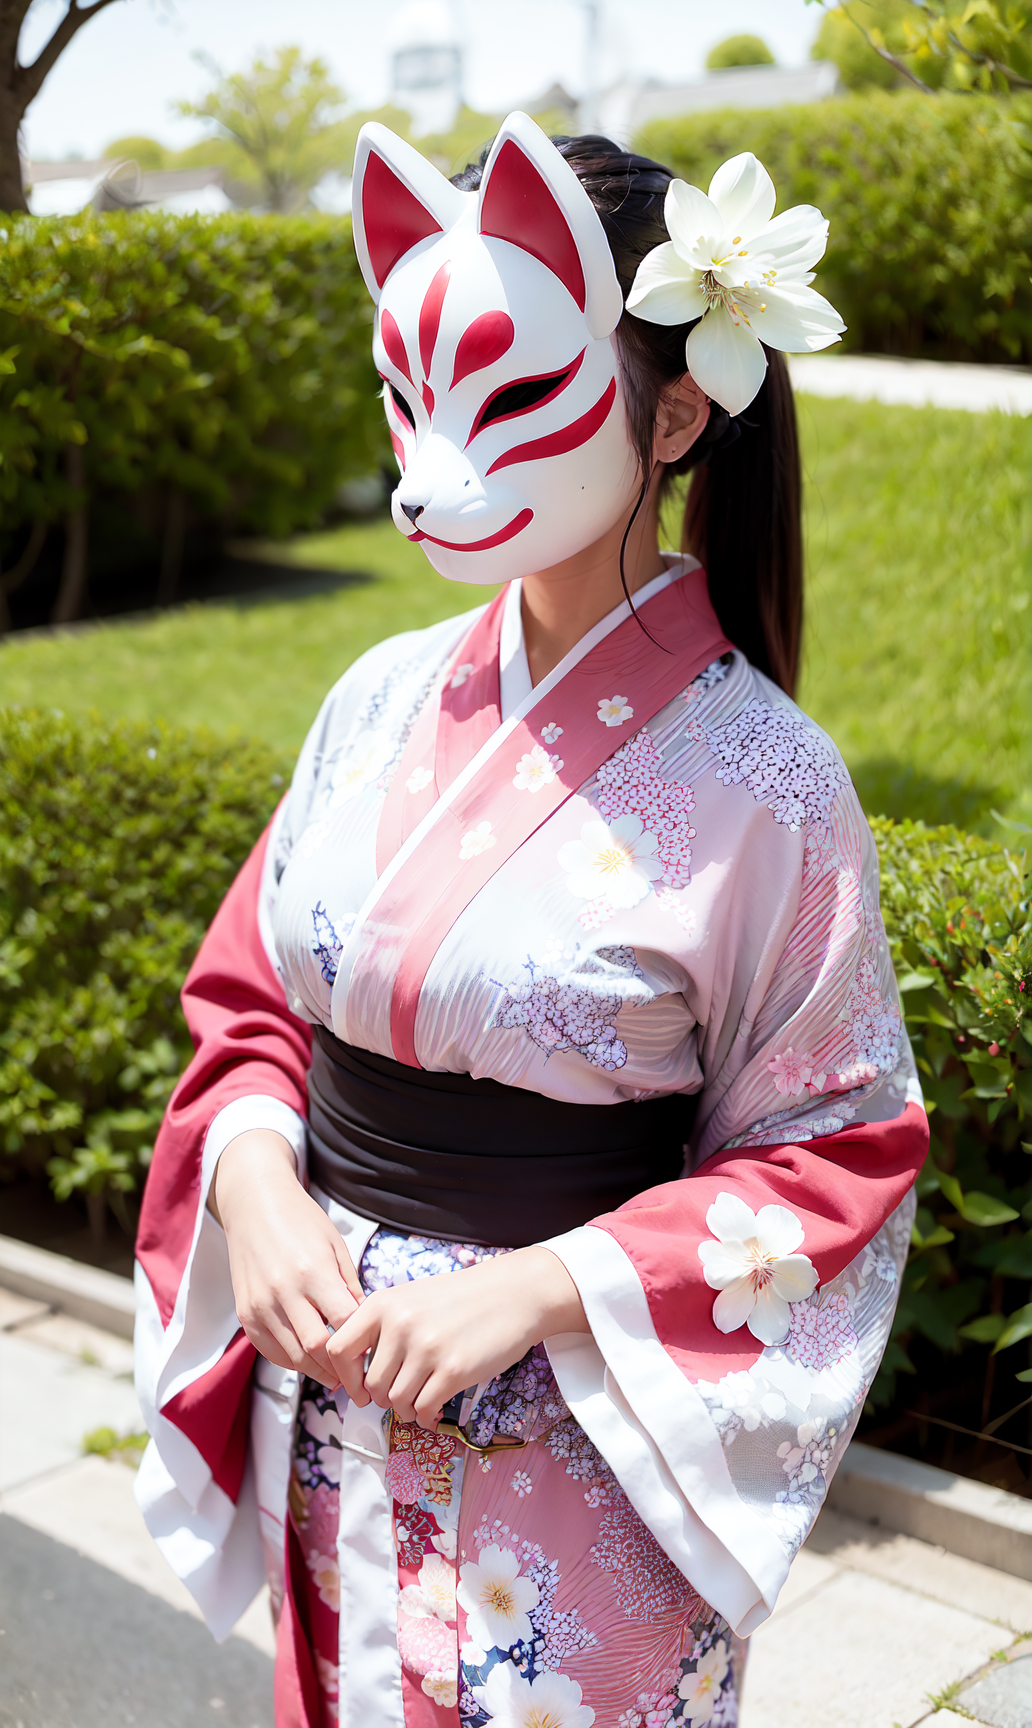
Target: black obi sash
{"x":468,"y":1160}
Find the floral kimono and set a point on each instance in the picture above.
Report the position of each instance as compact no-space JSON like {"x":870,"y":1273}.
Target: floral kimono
{"x":648,"y":877}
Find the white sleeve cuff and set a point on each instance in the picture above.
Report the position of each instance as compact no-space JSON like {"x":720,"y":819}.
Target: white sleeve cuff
{"x":255,"y":1110}
{"x":656,"y":1434}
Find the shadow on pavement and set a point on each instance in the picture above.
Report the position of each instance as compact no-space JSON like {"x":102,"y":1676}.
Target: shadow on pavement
{"x":82,"y":1648}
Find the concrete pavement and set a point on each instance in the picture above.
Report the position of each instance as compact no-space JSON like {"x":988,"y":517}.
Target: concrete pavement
{"x":914,"y":383}
{"x":873,"y":1630}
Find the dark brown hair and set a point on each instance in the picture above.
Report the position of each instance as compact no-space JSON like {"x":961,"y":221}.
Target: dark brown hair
{"x":742,"y":517}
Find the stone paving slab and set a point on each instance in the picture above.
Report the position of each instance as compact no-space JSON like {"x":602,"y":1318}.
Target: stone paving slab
{"x":80,"y":1339}
{"x":860,"y":1652}
{"x":1003,"y":1699}
{"x":91,"y":1507}
{"x":83,"y":1648}
{"x":50,"y":1401}
{"x":918,"y":1566}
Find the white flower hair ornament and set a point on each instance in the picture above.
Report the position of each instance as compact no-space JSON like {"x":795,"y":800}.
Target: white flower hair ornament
{"x":745,"y":277}
{"x":754,"y":1265}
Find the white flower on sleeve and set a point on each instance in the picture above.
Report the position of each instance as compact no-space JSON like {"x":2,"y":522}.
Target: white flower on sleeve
{"x":459,"y":676}
{"x":701,"y":1690}
{"x":496,"y":1599}
{"x":615,"y":861}
{"x":433,"y":1597}
{"x":419,"y":780}
{"x":548,"y":1701}
{"x":744,"y":277}
{"x":551,"y":733}
{"x":476,"y":840}
{"x":536,"y":769}
{"x":613,"y":710}
{"x":754,"y":1265}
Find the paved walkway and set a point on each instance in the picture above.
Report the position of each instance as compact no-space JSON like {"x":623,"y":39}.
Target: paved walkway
{"x":872,"y":1630}
{"x":914,"y":383}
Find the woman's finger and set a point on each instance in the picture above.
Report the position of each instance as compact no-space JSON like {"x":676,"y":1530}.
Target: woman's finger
{"x":347,"y":1350}
{"x":405,"y":1390}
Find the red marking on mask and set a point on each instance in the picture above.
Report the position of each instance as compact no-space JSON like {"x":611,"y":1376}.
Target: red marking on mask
{"x":559,"y":443}
{"x":499,"y":420}
{"x":430,"y":316}
{"x":392,"y":217}
{"x":394,"y":342}
{"x":487,"y":339}
{"x":516,"y":526}
{"x":518,"y":205}
{"x":428,"y":400}
{"x":399,"y":450}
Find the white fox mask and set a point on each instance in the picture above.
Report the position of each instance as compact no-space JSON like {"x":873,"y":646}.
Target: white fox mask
{"x":494,"y":338}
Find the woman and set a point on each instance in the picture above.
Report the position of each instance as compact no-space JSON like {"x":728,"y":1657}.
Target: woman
{"x":560,"y":971}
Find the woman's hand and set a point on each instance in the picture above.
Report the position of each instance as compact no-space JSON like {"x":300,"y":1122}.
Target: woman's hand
{"x":433,"y":1337}
{"x":291,"y":1271}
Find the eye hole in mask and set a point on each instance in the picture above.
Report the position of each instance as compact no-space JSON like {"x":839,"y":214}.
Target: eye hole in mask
{"x":519,"y":398}
{"x":402,"y":406}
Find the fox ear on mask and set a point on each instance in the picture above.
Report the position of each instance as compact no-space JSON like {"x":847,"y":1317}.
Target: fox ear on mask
{"x":529,"y":196}
{"x":398,"y":199}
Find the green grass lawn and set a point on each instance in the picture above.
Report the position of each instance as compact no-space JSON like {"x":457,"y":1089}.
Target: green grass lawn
{"x":919,"y":529}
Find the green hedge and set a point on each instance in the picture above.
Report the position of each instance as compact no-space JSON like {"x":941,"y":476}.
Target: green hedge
{"x":930,"y":203}
{"x":227,"y":358}
{"x":117,"y":843}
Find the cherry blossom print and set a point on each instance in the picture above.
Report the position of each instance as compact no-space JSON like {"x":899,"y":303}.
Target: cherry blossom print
{"x":648,"y":1584}
{"x":707,"y":680}
{"x":459,"y":676}
{"x":754,"y":1265}
{"x":615,"y":861}
{"x":821,"y":1331}
{"x":579,"y":1014}
{"x":522,"y":1484}
{"x":536,"y":769}
{"x":358,"y":767}
{"x":551,"y":733}
{"x":496,"y":1598}
{"x":547,"y":1701}
{"x":701,"y":1689}
{"x":783,"y":761}
{"x":419,"y":780}
{"x":442,"y":1688}
{"x":795,"y":1072}
{"x":614,"y":711}
{"x":326,"y":1577}
{"x":476,"y":840}
{"x":630,"y":784}
{"x":669,"y":900}
{"x":433,"y":1594}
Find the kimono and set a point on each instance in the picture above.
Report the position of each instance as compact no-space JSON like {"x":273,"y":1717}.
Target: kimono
{"x":648,"y":875}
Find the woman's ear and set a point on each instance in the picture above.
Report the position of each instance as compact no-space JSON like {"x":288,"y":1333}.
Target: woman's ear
{"x":681,"y":418}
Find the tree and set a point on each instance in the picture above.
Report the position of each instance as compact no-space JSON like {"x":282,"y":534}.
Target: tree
{"x":739,"y":51}
{"x":933,"y":44}
{"x":19,"y":84}
{"x":278,"y":128}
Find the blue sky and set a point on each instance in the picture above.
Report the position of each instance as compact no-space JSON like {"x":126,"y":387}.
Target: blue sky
{"x":126,"y":68}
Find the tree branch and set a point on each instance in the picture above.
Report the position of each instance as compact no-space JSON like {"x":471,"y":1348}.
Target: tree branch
{"x":1016,"y":81}
{"x":886,"y":54}
{"x":12,"y":17}
{"x":28,"y":80}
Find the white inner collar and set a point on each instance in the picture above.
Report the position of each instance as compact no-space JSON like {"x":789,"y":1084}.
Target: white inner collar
{"x":513,"y":668}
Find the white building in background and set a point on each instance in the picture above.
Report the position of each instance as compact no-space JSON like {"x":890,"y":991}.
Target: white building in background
{"x":632,"y":103}
{"x":426,"y":64}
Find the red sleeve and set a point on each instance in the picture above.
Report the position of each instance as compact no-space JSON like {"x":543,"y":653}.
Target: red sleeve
{"x":245,"y":1041}
{"x":842,"y":1187}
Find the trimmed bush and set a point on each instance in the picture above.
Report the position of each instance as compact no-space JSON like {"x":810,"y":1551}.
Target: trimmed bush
{"x":223,"y":358}
{"x":117,"y":843}
{"x":930,"y":203}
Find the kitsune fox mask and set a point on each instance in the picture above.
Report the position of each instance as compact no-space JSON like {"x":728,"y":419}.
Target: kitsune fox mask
{"x":494,"y":338}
